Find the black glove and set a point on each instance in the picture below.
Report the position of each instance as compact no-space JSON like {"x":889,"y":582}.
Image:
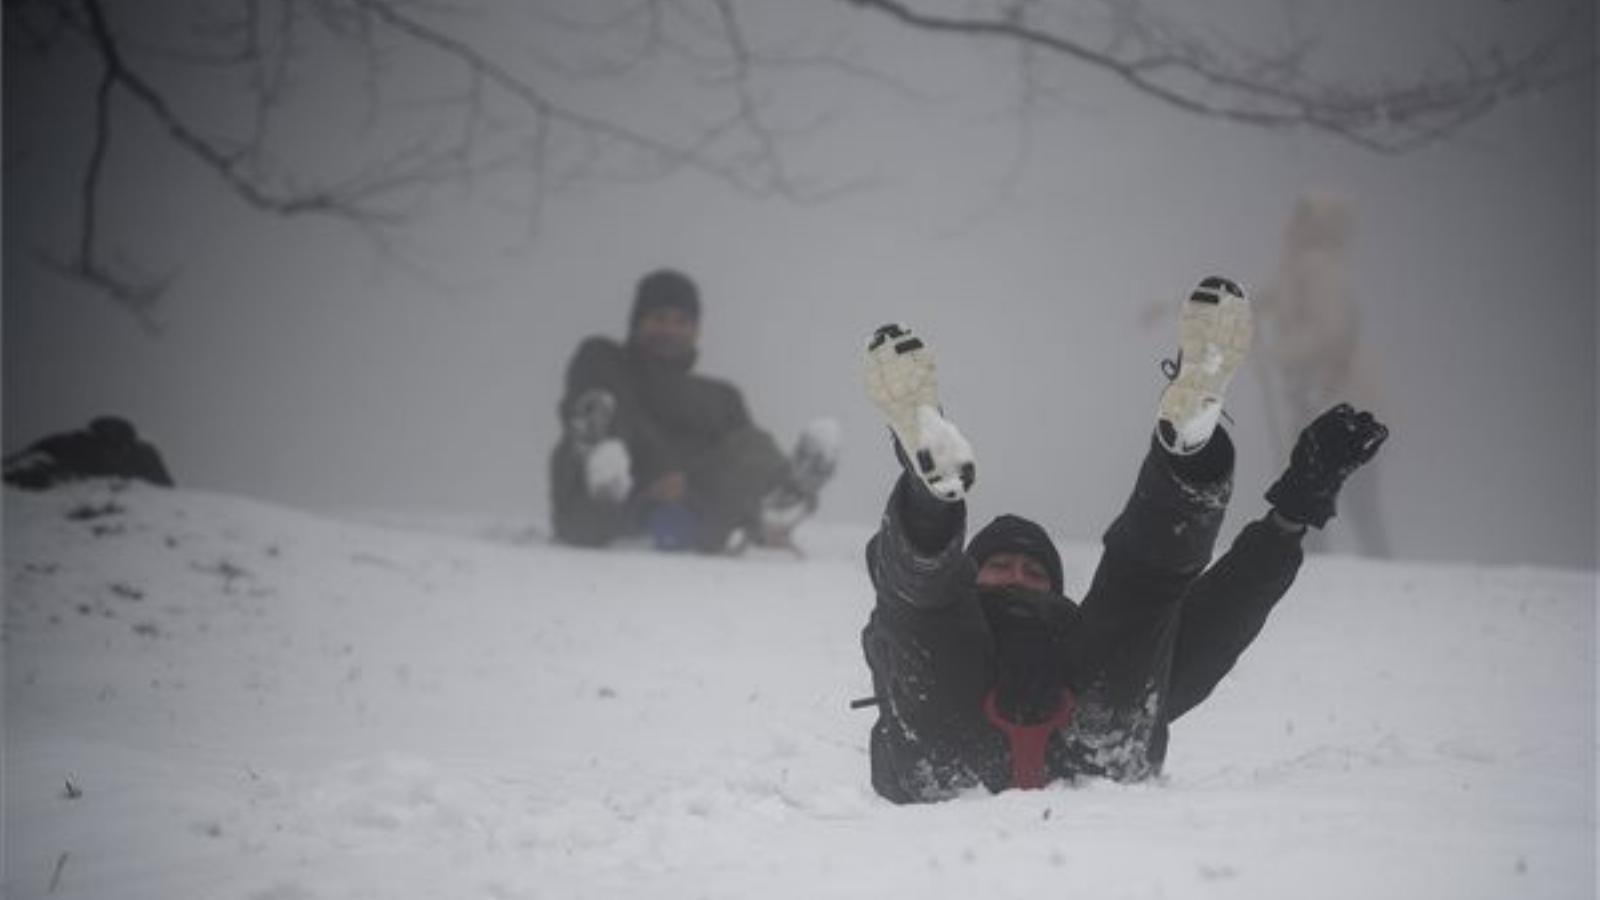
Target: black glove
{"x":1340,"y":441}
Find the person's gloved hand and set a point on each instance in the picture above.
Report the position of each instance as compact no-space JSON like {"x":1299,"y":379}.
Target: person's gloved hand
{"x":1337,"y":443}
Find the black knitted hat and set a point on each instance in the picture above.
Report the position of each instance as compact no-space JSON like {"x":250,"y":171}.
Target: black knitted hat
{"x":1014,"y":534}
{"x":665,"y":288}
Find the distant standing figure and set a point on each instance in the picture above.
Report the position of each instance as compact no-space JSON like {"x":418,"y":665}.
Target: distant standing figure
{"x":1311,"y":338}
{"x":651,"y":448}
{"x":108,"y":448}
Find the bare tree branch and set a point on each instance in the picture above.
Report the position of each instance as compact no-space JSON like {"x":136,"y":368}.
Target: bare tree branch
{"x":530,"y":110}
{"x":350,"y":201}
{"x":1265,"y":91}
{"x":668,"y":155}
{"x":396,"y":186}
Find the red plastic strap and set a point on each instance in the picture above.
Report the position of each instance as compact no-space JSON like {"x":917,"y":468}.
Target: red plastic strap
{"x":1028,"y":742}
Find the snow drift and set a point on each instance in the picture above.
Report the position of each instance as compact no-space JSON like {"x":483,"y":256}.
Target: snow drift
{"x":212,"y":697}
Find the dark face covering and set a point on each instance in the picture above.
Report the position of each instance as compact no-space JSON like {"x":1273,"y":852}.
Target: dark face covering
{"x":1030,"y":630}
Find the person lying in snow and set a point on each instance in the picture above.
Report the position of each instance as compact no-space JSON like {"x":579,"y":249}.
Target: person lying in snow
{"x":109,"y":447}
{"x":649,"y":447}
{"x":984,"y":673}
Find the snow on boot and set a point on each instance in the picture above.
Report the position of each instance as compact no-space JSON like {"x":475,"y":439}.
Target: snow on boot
{"x":606,"y":464}
{"x":1213,"y":337}
{"x":815,"y":456}
{"x":903,"y":381}
{"x":811,"y":464}
{"x":606,"y":471}
{"x":589,"y":421}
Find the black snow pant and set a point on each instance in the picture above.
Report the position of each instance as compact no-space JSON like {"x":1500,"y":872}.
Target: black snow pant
{"x":1159,"y":628}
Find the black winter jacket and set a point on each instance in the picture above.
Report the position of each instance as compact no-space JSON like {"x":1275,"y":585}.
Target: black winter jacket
{"x":668,"y":415}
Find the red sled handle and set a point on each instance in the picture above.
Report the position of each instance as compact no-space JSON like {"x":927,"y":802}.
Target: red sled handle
{"x":1028,"y":742}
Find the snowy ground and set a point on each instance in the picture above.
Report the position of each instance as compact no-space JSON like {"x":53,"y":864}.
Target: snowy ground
{"x":208,"y":697}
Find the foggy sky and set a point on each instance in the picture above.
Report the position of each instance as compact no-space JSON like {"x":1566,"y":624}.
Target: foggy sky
{"x":299,"y":366}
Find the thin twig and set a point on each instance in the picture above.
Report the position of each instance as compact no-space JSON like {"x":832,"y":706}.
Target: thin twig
{"x":1271,"y":92}
{"x":55,"y":877}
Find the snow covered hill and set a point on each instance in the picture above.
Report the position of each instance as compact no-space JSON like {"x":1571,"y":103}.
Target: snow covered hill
{"x":208,"y":697}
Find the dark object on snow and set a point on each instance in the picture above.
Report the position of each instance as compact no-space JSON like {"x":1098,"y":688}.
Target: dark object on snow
{"x":108,"y":448}
{"x":1015,"y":688}
{"x":1337,"y":443}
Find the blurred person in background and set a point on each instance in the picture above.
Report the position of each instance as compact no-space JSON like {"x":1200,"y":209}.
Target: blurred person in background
{"x":1312,"y":350}
{"x":651,"y":448}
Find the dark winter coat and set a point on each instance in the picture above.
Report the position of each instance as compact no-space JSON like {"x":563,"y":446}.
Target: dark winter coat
{"x":970,"y":683}
{"x":672,"y":420}
{"x":108,"y":448}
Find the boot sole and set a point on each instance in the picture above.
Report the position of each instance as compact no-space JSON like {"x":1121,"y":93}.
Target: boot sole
{"x":902,"y":379}
{"x":1214,"y":334}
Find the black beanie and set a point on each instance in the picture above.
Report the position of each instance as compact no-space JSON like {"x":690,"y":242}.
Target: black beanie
{"x":1014,"y":534}
{"x":661,"y":289}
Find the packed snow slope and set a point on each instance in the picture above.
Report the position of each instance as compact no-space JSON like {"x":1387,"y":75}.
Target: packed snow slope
{"x":208,"y":697}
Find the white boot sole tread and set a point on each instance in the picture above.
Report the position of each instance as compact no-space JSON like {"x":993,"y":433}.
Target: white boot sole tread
{"x":902,"y":379}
